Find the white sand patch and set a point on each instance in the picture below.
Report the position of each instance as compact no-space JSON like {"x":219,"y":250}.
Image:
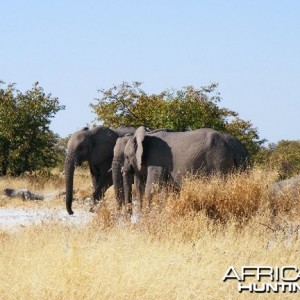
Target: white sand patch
{"x":12,"y":218}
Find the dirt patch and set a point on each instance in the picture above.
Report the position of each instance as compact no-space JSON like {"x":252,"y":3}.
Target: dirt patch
{"x":14,"y":218}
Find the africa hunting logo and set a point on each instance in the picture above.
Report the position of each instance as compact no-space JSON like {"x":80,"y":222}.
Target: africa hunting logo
{"x":265,"y":279}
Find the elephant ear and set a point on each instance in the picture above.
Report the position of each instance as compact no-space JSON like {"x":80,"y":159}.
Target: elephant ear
{"x":138,"y":144}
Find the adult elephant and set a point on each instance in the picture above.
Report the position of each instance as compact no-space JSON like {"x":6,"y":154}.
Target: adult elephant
{"x":95,"y":146}
{"x":166,"y":157}
{"x":122,"y":185}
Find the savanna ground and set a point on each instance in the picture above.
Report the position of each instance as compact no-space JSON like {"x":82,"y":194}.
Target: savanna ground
{"x":180,"y":249}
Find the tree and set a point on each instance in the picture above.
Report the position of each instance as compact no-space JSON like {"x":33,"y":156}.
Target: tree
{"x":180,"y":110}
{"x":26,"y":142}
{"x":7,"y":117}
{"x":283,"y":156}
{"x":61,"y":151}
{"x":246,"y":133}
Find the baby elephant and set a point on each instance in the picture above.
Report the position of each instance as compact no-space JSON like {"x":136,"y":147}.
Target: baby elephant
{"x":166,"y":157}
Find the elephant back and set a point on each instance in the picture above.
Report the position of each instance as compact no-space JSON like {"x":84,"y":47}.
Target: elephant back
{"x":205,"y":150}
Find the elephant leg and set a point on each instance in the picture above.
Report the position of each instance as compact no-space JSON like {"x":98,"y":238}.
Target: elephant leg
{"x":101,"y":188}
{"x":96,"y":193}
{"x":95,"y":180}
{"x":128,"y":179}
{"x":102,"y":179}
{"x":140,"y":184}
{"x":104,"y":182}
{"x":97,"y":184}
{"x":155,"y":178}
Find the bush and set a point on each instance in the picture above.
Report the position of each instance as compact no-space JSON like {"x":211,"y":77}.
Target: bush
{"x":283,"y":156}
{"x":26,"y":142}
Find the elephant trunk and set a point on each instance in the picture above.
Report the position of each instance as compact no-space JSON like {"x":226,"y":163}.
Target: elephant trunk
{"x":69,"y":178}
{"x":118,"y":180}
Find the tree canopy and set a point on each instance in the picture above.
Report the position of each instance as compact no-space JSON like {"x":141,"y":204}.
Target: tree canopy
{"x":283,"y":156}
{"x":26,"y":142}
{"x":186,"y":109}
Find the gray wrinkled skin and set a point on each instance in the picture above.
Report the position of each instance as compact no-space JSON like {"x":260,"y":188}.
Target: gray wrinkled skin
{"x":117,"y":165}
{"x":166,"y":157}
{"x":95,"y":146}
{"x":123,"y":184}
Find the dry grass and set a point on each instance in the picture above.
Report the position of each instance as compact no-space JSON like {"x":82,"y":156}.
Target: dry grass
{"x":180,"y":249}
{"x":39,"y":185}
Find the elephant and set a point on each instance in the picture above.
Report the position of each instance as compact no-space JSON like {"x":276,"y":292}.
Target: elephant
{"x":122,"y":184}
{"x":166,"y":157}
{"x":117,"y":165}
{"x":94,"y":145}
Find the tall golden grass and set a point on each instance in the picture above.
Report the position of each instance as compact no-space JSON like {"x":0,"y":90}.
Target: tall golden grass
{"x":180,"y":249}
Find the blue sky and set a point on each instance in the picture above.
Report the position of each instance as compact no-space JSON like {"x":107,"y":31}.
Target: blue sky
{"x":74,"y":48}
